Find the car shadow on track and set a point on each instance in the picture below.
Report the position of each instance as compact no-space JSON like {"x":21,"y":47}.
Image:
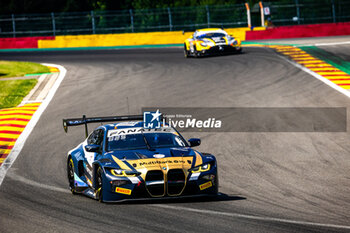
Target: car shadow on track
{"x":219,"y":55}
{"x":220,"y":197}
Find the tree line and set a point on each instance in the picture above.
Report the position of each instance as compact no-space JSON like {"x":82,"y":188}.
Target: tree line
{"x":46,"y":6}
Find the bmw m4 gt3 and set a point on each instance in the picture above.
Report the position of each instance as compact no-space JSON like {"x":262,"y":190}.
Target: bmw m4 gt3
{"x":124,"y":160}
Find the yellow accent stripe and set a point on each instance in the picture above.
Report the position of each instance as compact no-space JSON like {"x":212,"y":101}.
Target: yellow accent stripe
{"x":31,"y":104}
{"x":15,"y":116}
{"x":53,"y":69}
{"x":341,"y":82}
{"x":5,"y":151}
{"x":20,"y":109}
{"x":331,"y":73}
{"x":16,"y":110}
{"x":7,"y":135}
{"x":11,"y":128}
{"x":29,"y":107}
{"x":302,"y":59}
{"x":338,"y":77}
{"x":300,"y":56}
{"x":8,"y":125}
{"x":319,"y":62}
{"x":324,"y":65}
{"x":14,"y":122}
{"x":295,"y":53}
{"x":324,"y":68}
{"x":7,"y":143}
{"x":199,"y":160}
{"x":287,"y":50}
{"x":120,"y":163}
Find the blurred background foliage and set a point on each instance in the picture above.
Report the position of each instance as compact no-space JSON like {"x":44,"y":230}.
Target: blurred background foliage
{"x":45,"y":6}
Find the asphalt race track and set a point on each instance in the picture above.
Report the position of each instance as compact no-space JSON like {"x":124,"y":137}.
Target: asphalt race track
{"x":270,"y":182}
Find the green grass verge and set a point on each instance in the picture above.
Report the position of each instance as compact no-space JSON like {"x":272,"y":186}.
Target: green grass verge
{"x":19,"y":69}
{"x":12,"y":92}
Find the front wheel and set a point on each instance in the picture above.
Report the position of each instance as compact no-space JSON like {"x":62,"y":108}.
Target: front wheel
{"x":186,"y":52}
{"x":99,"y":184}
{"x":70,"y":173}
{"x":196,"y":53}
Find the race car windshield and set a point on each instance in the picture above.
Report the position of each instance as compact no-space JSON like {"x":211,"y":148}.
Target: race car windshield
{"x":211,"y":35}
{"x":137,"y":141}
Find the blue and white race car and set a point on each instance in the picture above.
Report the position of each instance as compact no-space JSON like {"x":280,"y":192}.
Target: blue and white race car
{"x":123,"y":161}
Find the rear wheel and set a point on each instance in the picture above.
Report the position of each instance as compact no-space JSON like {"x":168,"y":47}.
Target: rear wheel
{"x":99,"y":184}
{"x":70,"y":173}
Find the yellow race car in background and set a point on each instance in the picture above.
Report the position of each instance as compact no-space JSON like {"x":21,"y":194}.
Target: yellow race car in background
{"x":211,"y":41}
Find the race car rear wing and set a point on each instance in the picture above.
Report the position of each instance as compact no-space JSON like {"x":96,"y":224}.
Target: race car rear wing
{"x":86,"y":120}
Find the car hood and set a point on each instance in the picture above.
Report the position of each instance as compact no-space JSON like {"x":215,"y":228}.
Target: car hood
{"x":160,"y":158}
{"x":151,"y":154}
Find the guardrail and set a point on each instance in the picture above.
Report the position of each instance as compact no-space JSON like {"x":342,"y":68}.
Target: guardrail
{"x":288,"y":12}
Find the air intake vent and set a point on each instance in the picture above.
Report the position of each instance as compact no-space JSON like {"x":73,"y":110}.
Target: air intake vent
{"x":155,"y":183}
{"x":176,"y":182}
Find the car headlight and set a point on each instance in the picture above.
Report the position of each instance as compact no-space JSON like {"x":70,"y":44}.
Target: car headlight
{"x":231,"y":40}
{"x":121,"y":172}
{"x":207,"y":43}
{"x":201,"y":168}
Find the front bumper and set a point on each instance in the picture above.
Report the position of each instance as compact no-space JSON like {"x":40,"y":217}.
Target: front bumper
{"x":221,"y":49}
{"x":200,"y":185}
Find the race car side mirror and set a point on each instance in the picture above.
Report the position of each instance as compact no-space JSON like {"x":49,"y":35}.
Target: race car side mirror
{"x":92,"y":148}
{"x":194,"y":142}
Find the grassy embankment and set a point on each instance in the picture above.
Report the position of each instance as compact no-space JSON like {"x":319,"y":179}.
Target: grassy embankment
{"x":12,"y":92}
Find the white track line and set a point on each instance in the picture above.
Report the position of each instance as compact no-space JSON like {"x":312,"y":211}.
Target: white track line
{"x":35,"y":118}
{"x":333,"y":43}
{"x":245,"y":216}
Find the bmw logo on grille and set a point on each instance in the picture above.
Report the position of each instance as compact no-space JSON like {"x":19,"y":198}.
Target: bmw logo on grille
{"x":164,"y":168}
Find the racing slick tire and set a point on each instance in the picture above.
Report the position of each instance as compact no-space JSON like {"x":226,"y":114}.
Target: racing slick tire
{"x":99,"y":184}
{"x":70,"y":174}
{"x":196,"y":53}
{"x":186,"y":52}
